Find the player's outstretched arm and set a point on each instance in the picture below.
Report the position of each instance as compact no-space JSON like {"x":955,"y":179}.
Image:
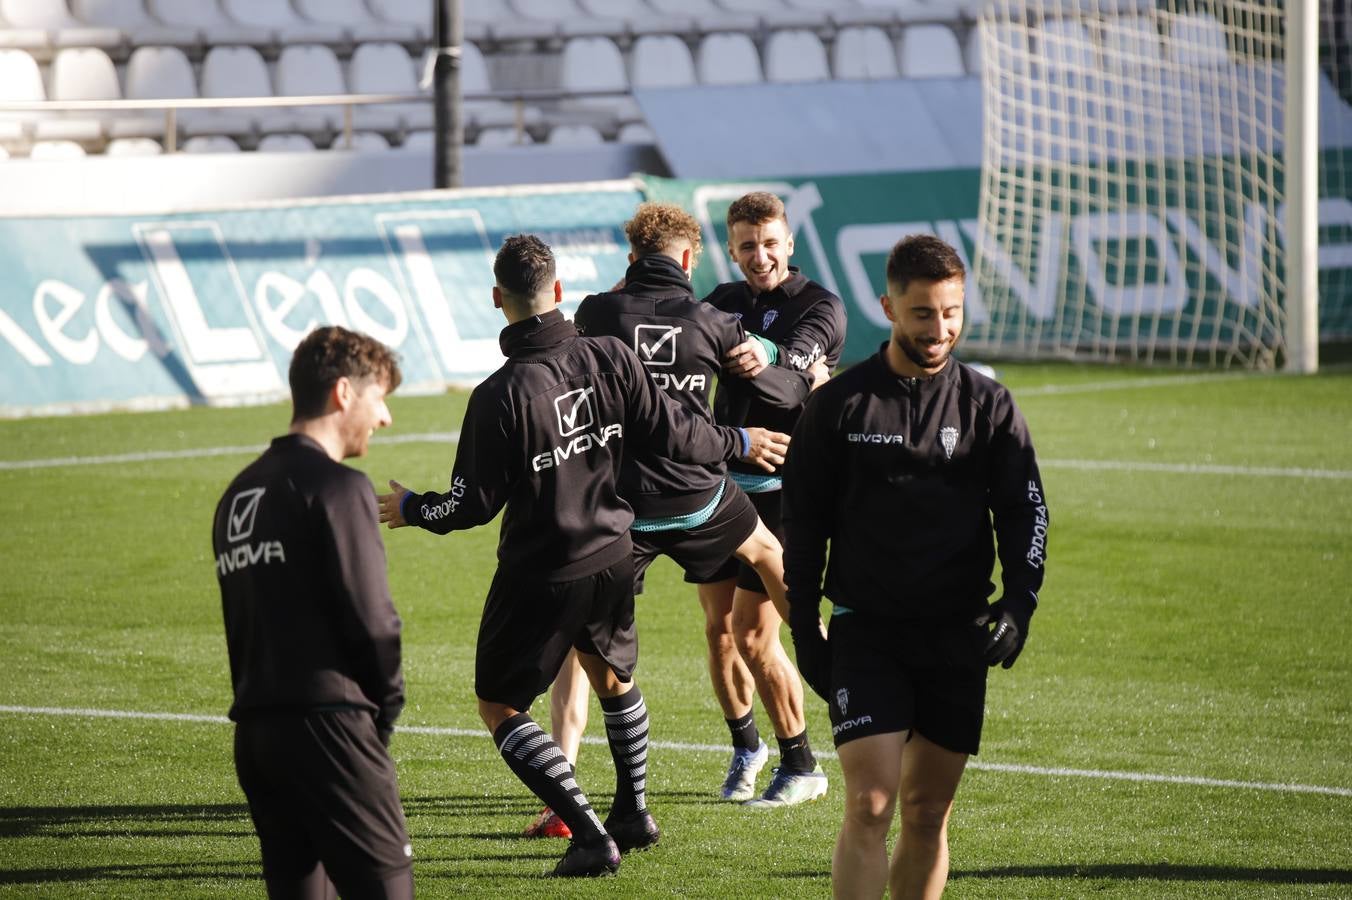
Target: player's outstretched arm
{"x":766,"y":448}
{"x":391,"y":515}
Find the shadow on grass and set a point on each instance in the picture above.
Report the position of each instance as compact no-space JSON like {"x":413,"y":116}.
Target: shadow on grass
{"x":241,"y":870}
{"x":101,"y":821}
{"x":1165,"y":872}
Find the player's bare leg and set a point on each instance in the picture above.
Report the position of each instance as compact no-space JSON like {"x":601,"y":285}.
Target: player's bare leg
{"x":734,"y":688}
{"x":929,"y":781}
{"x":872,"y":770}
{"x":567,"y":722}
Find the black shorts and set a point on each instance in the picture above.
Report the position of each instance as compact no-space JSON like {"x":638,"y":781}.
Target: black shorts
{"x":321,"y":788}
{"x":889,"y":675}
{"x":529,"y":625}
{"x":766,"y":504}
{"x":703,"y":550}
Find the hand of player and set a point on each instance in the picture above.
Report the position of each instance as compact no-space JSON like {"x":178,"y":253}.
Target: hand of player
{"x":1008,"y":621}
{"x":746,"y":360}
{"x":820,"y":372}
{"x":814,"y":656}
{"x":767,"y":448}
{"x":390,"y":514}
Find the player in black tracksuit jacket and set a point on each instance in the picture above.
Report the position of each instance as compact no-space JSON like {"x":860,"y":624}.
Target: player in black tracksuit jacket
{"x":697,"y":515}
{"x":913,"y":468}
{"x":313,"y":636}
{"x":544,"y":436}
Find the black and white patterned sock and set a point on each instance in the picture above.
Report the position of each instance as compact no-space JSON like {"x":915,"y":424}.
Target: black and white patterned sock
{"x":627,"y":733}
{"x":534,"y":758}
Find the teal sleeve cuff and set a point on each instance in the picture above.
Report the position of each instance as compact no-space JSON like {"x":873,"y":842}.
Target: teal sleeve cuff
{"x":771,"y":349}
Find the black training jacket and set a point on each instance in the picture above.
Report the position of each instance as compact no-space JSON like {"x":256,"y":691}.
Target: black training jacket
{"x":544,"y":436}
{"x":804,"y":320}
{"x":681,"y":342}
{"x":308,"y":618}
{"x":903,"y":477}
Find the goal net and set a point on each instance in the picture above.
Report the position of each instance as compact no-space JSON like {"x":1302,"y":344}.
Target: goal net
{"x":1131,"y":202}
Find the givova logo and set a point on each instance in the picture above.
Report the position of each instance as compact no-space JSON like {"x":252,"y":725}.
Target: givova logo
{"x":656,"y":344}
{"x":575,"y":410}
{"x":243,"y":511}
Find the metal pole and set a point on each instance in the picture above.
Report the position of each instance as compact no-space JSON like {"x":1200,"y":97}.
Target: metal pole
{"x":450,"y":132}
{"x":1301,"y":154}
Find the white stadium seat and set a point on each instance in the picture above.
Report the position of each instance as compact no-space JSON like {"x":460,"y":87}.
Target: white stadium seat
{"x":795,"y":55}
{"x":278,"y":18}
{"x":661,"y":60}
{"x":286,"y":143}
{"x":363,"y":142}
{"x":311,"y":70}
{"x":153,"y":73}
{"x":206,"y":18}
{"x":913,"y":10}
{"x":417,"y":13}
{"x":356,"y":20}
{"x":1196,"y":40}
{"x":1134,"y":39}
{"x":131,"y":16}
{"x":58,"y":149}
{"x":241,"y":72}
{"x":930,"y":51}
{"x":595,"y":64}
{"x":503,"y":137}
{"x":636,"y":133}
{"x":474,"y":80}
{"x":80,"y":73}
{"x":210,"y":143}
{"x":863,"y":52}
{"x":21,"y":82}
{"x":1064,"y":48}
{"x":575,"y":135}
{"x":727,"y":59}
{"x":53,"y":17}
{"x":385,"y":68}
{"x":133,"y":147}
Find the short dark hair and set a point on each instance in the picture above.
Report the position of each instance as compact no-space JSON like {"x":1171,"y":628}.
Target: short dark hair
{"x":922,"y":256}
{"x":656,"y":226}
{"x":331,"y":352}
{"x":755,"y":208}
{"x":524,"y":267}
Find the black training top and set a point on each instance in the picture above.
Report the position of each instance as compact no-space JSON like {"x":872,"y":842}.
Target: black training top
{"x":544,"y":436}
{"x":308,"y":618}
{"x":682,"y":343}
{"x":804,"y":321}
{"x":903,"y":476}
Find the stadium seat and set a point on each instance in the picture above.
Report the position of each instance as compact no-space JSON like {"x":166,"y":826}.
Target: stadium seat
{"x":416,"y":13}
{"x":59,"y":149}
{"x":133,"y":147}
{"x":241,"y":72}
{"x":727,"y":59}
{"x":503,"y":23}
{"x":795,"y":55}
{"x":1132,"y":40}
{"x":356,"y":20}
{"x":209,"y":22}
{"x":363,"y":142}
{"x":286,"y":143}
{"x":705,"y":15}
{"x":973,"y":52}
{"x":311,"y":70}
{"x":52,"y":17}
{"x":210,"y":143}
{"x":132,"y":17}
{"x":1196,"y":40}
{"x":503,"y":137}
{"x":661,"y":60}
{"x":419,"y":141}
{"x":574,"y":135}
{"x":595,"y":64}
{"x":1064,"y":48}
{"x":912,"y":10}
{"x":153,"y":73}
{"x":636,"y":133}
{"x":486,"y":113}
{"x":20,"y":82}
{"x":281,"y":21}
{"x":385,"y":68}
{"x":80,"y":73}
{"x":930,"y":51}
{"x":571,"y":19}
{"x":863,"y":52}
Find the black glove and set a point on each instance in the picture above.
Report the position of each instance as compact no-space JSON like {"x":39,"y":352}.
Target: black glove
{"x":814,"y":654}
{"x":1010,"y":616}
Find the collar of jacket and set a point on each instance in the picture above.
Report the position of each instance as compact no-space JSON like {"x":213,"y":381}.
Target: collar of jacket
{"x":536,"y":334}
{"x":791,"y":286}
{"x":656,"y":272}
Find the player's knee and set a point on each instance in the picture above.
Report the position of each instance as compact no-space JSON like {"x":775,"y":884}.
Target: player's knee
{"x":871,"y":809}
{"x":924,"y":815}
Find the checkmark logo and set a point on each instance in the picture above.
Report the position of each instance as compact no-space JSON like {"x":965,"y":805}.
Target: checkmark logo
{"x":243,"y":511}
{"x":662,"y":337}
{"x":574,"y":410}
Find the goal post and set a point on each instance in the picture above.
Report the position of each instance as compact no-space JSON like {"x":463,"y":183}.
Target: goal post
{"x":1137,"y":184}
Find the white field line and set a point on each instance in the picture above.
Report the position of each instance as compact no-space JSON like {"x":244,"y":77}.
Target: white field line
{"x":1131,"y":384}
{"x":451,"y":437}
{"x":679,"y":746}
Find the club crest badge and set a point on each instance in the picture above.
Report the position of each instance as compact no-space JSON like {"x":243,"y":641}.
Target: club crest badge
{"x":843,"y":700}
{"x":948,"y":436}
{"x":768,"y":318}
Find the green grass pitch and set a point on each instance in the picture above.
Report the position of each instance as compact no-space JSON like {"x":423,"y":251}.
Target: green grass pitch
{"x":1195,"y":632}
